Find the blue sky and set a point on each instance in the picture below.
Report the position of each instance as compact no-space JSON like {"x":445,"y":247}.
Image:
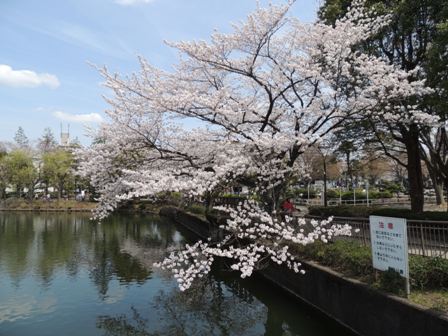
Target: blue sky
{"x":45,"y":76}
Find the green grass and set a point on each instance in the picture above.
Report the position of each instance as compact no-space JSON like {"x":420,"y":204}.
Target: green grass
{"x":22,"y":204}
{"x":428,"y":276}
{"x":436,"y":300}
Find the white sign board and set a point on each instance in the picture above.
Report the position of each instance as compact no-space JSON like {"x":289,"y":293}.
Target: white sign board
{"x":389,"y":244}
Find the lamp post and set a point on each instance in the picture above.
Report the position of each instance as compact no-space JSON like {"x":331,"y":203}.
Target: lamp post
{"x":367,"y":192}
{"x":308,"y":202}
{"x":340,"y":194}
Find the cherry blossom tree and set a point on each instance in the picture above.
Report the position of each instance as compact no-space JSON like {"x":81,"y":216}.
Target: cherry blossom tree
{"x":258,"y":98}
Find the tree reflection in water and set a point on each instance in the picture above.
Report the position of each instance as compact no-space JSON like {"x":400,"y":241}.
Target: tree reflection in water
{"x":45,"y":245}
{"x":209,"y":307}
{"x":122,"y":325}
{"x":43,"y":255}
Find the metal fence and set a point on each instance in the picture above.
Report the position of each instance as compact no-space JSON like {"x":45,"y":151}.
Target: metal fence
{"x":376,"y":201}
{"x":426,"y":238}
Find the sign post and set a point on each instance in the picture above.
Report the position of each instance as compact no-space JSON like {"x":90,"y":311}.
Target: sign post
{"x":390,"y":245}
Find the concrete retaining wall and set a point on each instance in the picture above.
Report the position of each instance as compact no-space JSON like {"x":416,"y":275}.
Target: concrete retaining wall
{"x":353,"y":304}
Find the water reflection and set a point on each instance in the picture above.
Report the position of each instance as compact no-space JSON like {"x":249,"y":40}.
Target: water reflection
{"x":62,"y":274}
{"x":25,"y":306}
{"x":44,"y":245}
{"x":210,"y":307}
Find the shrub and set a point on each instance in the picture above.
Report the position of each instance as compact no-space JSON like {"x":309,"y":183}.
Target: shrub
{"x":428,"y":273}
{"x":392,"y":282}
{"x":384,"y":194}
{"x":392,"y":188}
{"x":407,"y":213}
{"x":352,"y":258}
{"x":196,"y":209}
{"x":333,"y":193}
{"x":349,"y":256}
{"x":16,"y":203}
{"x":344,"y":255}
{"x":340,"y":211}
{"x":348,"y":195}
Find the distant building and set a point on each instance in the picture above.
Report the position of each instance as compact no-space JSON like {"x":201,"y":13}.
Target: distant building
{"x":65,"y":137}
{"x":66,"y":143}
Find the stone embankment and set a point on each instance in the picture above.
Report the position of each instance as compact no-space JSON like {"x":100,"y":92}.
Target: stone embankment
{"x":362,"y":309}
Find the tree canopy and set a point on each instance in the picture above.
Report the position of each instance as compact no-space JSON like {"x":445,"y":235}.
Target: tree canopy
{"x":260,"y":96}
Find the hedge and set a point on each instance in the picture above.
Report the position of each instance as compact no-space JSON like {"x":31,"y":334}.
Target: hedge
{"x":348,"y":195}
{"x":353,"y":259}
{"x":364,"y":211}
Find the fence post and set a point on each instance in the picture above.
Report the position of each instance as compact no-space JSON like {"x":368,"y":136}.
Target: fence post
{"x":364,"y":238}
{"x":422,"y":239}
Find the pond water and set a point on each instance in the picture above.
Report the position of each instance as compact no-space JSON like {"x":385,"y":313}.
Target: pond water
{"x":61,"y":274}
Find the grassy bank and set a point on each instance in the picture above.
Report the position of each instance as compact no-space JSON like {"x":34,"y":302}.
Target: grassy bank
{"x":18,"y":204}
{"x":428,"y":276}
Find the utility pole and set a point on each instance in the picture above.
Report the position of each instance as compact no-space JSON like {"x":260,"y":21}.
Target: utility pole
{"x":325,"y":181}
{"x":367,"y":191}
{"x":308,"y":193}
{"x":340,"y":194}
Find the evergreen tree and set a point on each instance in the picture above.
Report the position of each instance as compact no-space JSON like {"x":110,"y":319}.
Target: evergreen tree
{"x":21,"y":139}
{"x":47,"y":141}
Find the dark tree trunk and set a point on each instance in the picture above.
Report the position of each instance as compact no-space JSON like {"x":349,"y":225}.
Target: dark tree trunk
{"x":349,"y":170}
{"x":436,"y":178}
{"x":414,"y":169}
{"x":443,"y":196}
{"x":30,"y":193}
{"x":61,"y":188}
{"x":325,"y":182}
{"x":272,"y":198}
{"x":446,"y":186}
{"x":438,"y":189}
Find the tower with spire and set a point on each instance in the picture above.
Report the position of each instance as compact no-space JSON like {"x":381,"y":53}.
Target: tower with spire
{"x":65,"y":136}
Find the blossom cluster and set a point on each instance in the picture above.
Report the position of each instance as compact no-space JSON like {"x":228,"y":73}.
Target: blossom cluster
{"x":252,"y":237}
{"x":258,"y":97}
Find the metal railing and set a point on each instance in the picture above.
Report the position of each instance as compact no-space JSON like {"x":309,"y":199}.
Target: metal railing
{"x":376,"y":201}
{"x":230,"y":201}
{"x":426,"y":238}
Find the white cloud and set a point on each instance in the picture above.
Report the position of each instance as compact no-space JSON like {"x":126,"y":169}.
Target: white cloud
{"x":90,"y":117}
{"x":26,"y":78}
{"x":132,"y":2}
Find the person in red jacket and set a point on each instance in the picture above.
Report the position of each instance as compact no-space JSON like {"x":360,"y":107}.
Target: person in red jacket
{"x":288,"y":206}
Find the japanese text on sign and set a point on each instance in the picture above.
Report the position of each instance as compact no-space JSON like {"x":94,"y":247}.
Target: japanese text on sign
{"x":389,"y":244}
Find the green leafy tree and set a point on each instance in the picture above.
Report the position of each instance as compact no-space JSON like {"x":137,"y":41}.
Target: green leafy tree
{"x":20,"y":171}
{"x":57,"y":169}
{"x":435,"y":141}
{"x":3,"y":173}
{"x":408,"y":41}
